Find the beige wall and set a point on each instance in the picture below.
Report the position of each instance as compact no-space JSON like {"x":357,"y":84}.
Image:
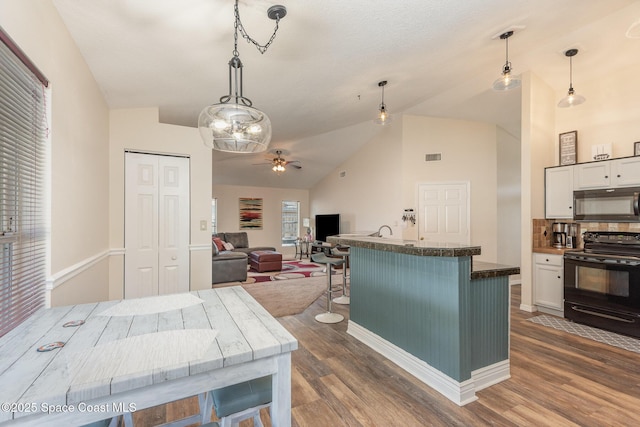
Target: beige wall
{"x":139,"y":130}
{"x":610,"y":115}
{"x":270,"y":235}
{"x":381,"y":179}
{"x":538,"y":118}
{"x":370,"y":192}
{"x":468,"y":154}
{"x":509,"y":192}
{"x":79,"y":147}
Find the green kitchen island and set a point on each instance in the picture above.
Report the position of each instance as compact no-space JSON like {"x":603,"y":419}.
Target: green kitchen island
{"x":431,"y":310}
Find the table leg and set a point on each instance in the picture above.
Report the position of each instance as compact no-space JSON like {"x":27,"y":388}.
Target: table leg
{"x":281,"y":396}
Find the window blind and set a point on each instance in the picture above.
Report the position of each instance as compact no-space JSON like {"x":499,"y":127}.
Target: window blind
{"x":23,"y":212}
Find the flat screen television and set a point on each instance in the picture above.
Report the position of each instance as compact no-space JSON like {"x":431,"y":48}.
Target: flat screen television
{"x":327,"y":225}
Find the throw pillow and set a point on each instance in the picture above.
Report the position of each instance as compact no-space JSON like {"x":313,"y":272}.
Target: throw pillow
{"x":228,"y":246}
{"x":219,"y":243}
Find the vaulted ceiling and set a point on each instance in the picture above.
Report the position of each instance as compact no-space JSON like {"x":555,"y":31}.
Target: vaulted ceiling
{"x":318,"y":82}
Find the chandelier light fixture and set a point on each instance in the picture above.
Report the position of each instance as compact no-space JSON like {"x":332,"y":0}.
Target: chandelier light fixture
{"x":233,"y":124}
{"x":506,"y":80}
{"x":383,"y":115}
{"x":572,"y":99}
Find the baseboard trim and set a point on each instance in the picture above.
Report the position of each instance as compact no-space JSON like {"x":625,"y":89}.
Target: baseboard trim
{"x":528,"y":308}
{"x":460,"y":393}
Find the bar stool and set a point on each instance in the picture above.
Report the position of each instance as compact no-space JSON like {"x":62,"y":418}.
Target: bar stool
{"x":328,"y":317}
{"x":344,"y":298}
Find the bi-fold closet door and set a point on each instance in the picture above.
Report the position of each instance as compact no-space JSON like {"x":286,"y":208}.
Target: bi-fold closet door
{"x":156,"y":225}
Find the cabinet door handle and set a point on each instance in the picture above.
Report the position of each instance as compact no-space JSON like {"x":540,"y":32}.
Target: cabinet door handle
{"x":606,"y":176}
{"x":559,"y":277}
{"x":618,"y":176}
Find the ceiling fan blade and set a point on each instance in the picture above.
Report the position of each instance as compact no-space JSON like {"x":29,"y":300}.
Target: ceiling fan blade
{"x":297,"y":166}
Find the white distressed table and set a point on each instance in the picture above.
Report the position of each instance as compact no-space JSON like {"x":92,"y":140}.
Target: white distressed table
{"x":134,"y":354}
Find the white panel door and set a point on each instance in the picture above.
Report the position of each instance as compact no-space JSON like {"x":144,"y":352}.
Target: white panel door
{"x":156,"y":225}
{"x":444,"y":213}
{"x":173,"y":241}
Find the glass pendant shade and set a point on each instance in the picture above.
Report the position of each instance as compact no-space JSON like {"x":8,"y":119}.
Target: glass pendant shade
{"x":506,"y":80}
{"x":234,"y":128}
{"x":383,"y":116}
{"x":571,"y":100}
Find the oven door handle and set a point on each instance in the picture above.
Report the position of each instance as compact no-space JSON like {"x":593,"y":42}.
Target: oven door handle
{"x":607,"y":316}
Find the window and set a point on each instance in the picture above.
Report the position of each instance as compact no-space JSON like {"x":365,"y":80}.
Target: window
{"x":23,"y":212}
{"x":290,"y":222}
{"x":214,"y":215}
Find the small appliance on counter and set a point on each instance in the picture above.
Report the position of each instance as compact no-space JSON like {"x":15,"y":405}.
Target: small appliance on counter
{"x":572,"y":236}
{"x":560,"y":231}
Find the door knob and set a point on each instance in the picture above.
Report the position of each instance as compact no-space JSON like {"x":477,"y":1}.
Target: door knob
{"x":174,"y":258}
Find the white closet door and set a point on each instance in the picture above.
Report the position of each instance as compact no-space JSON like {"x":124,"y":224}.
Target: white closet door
{"x":173,"y":242}
{"x":156,"y":225}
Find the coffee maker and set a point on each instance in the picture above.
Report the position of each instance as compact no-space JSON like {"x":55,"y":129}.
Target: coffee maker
{"x":560,"y":231}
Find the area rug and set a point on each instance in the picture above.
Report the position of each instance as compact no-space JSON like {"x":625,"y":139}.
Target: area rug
{"x":290,"y":270}
{"x":287,"y":297}
{"x":605,"y":337}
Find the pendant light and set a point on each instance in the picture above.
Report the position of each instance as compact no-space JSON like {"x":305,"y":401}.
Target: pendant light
{"x":383,"y":115}
{"x":571,"y":99}
{"x":233,"y":124}
{"x":506,"y":80}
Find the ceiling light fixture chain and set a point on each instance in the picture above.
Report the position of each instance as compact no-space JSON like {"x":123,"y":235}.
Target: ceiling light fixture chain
{"x":276,"y":13}
{"x":234,"y":125}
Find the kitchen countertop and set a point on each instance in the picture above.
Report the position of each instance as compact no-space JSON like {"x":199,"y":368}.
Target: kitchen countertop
{"x":479,"y":269}
{"x":409,"y":247}
{"x":485,"y":270}
{"x":551,"y":250}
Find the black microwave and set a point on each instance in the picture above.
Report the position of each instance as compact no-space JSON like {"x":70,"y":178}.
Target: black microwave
{"x":607,"y":205}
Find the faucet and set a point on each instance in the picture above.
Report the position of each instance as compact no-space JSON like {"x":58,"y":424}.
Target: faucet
{"x":380,"y":229}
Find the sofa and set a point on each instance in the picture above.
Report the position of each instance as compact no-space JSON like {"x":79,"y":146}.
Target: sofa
{"x":230,"y":265}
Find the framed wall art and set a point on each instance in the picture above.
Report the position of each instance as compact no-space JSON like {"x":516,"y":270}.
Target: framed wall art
{"x":569,"y":148}
{"x":250,"y":214}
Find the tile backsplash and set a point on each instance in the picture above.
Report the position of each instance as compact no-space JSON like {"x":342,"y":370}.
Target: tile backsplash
{"x":540,"y":226}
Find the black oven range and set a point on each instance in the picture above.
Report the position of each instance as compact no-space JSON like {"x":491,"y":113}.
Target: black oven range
{"x":602,"y":282}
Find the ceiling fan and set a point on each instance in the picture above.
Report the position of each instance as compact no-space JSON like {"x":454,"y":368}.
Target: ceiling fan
{"x":279,"y":163}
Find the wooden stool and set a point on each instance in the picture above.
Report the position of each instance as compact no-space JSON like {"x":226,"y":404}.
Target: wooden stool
{"x":328,"y":317}
{"x":344,"y":298}
{"x":239,"y":401}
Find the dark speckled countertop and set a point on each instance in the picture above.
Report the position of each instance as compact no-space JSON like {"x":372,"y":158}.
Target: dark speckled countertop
{"x":409,"y":247}
{"x":479,"y":269}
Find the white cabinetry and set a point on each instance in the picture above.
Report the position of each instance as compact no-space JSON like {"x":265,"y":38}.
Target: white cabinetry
{"x":558,"y":192}
{"x":625,"y":172}
{"x":548,"y":286}
{"x":592,"y":175}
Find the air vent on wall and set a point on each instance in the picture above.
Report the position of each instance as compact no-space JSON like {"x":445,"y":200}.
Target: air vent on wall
{"x":432,"y":157}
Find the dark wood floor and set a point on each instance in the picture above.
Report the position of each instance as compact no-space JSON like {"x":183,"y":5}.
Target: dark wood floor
{"x":557,"y":379}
